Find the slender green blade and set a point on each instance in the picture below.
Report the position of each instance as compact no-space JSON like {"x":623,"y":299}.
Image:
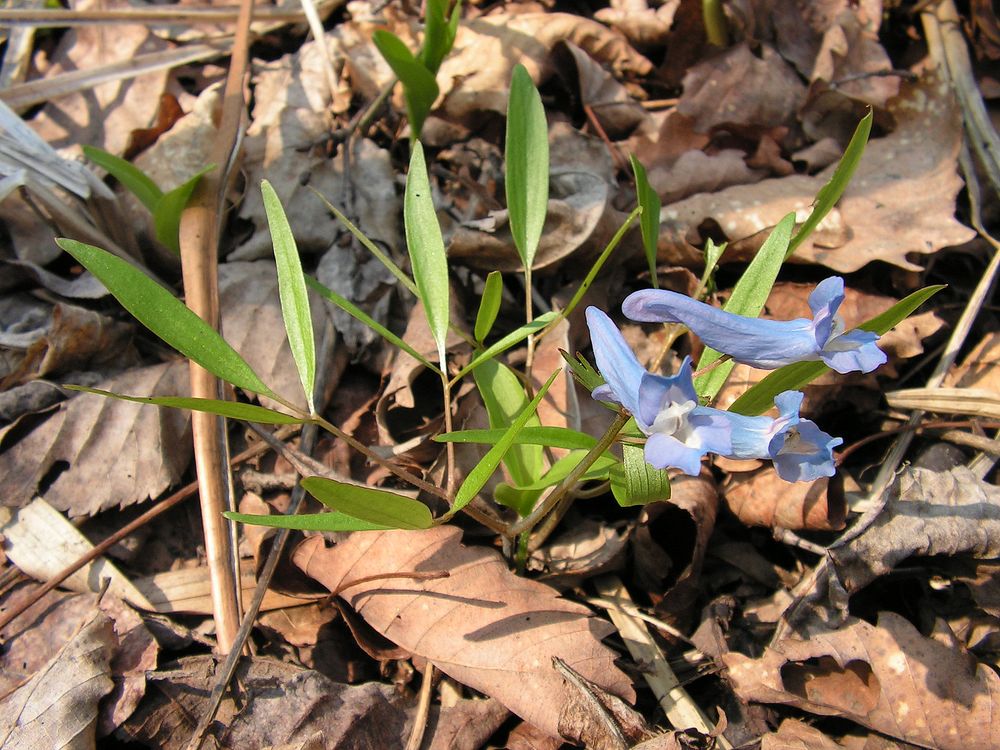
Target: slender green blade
{"x":479,"y":475}
{"x":584,"y":372}
{"x":635,"y":482}
{"x":830,"y":193}
{"x":553,"y":437}
{"x":489,"y":305}
{"x":167,"y":214}
{"x":760,"y":397}
{"x":649,"y":222}
{"x":426,"y":247}
{"x":292,"y":291}
{"x":369,"y":504}
{"x":527,"y":158}
{"x":439,"y":33}
{"x":504,"y":396}
{"x":331,"y":521}
{"x":712,"y":254}
{"x":356,"y":312}
{"x":562,"y":468}
{"x":748,"y":298}
{"x":419,"y":85}
{"x":230,"y":409}
{"x":511,"y":339}
{"x":129,"y":175}
{"x":166,"y":316}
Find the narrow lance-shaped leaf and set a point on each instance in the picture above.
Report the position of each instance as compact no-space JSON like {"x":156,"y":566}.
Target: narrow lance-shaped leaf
{"x":830,"y":193}
{"x":426,"y":247}
{"x":748,"y":298}
{"x":489,"y":305}
{"x":292,"y":291}
{"x":331,"y":521}
{"x":649,"y":222}
{"x":527,"y":160}
{"x":419,"y":86}
{"x":166,"y":316}
{"x":170,"y":206}
{"x":760,"y":397}
{"x":369,"y":504}
{"x":230,"y":409}
{"x":479,"y":475}
{"x":553,"y":437}
{"x":511,"y":339}
{"x":439,"y":33}
{"x":129,"y":175}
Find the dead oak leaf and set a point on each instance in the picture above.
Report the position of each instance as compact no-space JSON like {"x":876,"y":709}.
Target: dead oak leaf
{"x":483,"y":625}
{"x":887,"y":677}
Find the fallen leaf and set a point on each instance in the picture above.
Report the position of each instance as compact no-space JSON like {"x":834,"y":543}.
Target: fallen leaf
{"x":617,"y":112}
{"x":980,"y":368}
{"x":595,"y":719}
{"x":57,"y":707}
{"x":793,"y":734}
{"x":887,"y":677}
{"x":483,"y":626}
{"x":642,"y":26}
{"x":586,"y":549}
{"x":467,"y":725}
{"x":765,"y":499}
{"x":900,"y":201}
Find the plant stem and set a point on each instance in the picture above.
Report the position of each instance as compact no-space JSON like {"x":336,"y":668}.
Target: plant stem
{"x":449,"y":446}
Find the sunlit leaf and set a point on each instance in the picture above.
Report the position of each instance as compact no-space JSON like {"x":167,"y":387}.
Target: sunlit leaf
{"x":170,"y":206}
{"x":649,"y":222}
{"x":562,"y":468}
{"x":330,"y":521}
{"x":553,"y":437}
{"x":166,"y":316}
{"x":489,"y":305}
{"x":134,"y":179}
{"x":426,"y":247}
{"x":439,"y":33}
{"x":748,"y":298}
{"x":292,"y":291}
{"x":230,"y":409}
{"x":370,"y":504}
{"x":419,"y":86}
{"x":511,"y":339}
{"x":482,"y":472}
{"x":712,"y":254}
{"x":635,"y":482}
{"x":527,"y":160}
{"x":760,"y":397}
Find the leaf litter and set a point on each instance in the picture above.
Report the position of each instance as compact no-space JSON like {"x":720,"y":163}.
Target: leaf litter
{"x":884,"y":637}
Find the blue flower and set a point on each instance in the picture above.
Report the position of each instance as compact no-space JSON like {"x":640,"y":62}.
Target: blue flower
{"x":680,"y":431}
{"x":768,"y":344}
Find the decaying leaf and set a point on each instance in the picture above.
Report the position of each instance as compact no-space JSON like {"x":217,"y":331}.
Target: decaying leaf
{"x":900,"y":201}
{"x":57,"y":707}
{"x":483,"y":626}
{"x":980,"y":368}
{"x":887,"y":677}
{"x":762,"y":498}
{"x":617,"y":112}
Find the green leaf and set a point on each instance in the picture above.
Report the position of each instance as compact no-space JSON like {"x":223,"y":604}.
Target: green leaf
{"x":230,"y":409}
{"x":584,"y":372}
{"x":419,"y":86}
{"x":649,"y":222}
{"x":830,"y":193}
{"x":133,"y":178}
{"x":166,"y":316}
{"x":504,"y":396}
{"x":562,"y":468}
{"x":489,"y":305}
{"x":553,"y":437}
{"x":356,"y":312}
{"x":792,"y":377}
{"x":511,"y":339}
{"x":332,"y":521}
{"x":369,"y":504}
{"x":712,"y":254}
{"x":426,"y":247}
{"x":168,"y":210}
{"x":292,"y":291}
{"x":748,"y":298}
{"x":635,"y":482}
{"x":527,"y":159}
{"x":439,"y":33}
{"x":482,"y":471}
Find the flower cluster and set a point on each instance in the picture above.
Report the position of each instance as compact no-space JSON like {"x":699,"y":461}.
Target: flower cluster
{"x":680,"y":431}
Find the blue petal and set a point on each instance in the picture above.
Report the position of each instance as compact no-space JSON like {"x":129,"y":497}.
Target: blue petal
{"x":824,"y":302}
{"x":666,"y":452}
{"x":766,"y":344}
{"x":854,"y":351}
{"x":805,"y":453}
{"x":711,"y":430}
{"x":751,"y":436}
{"x":615,"y":361}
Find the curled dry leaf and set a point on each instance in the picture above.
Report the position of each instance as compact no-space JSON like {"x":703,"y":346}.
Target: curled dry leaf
{"x":887,"y":677}
{"x":793,"y":734}
{"x":981,"y":368}
{"x":762,"y":498}
{"x":466,"y":725}
{"x":900,"y":201}
{"x":617,"y":112}
{"x":641,"y":25}
{"x":484,"y":626}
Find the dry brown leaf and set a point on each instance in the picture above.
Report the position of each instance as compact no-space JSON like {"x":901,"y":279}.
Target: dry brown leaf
{"x":765,"y":499}
{"x":981,"y":368}
{"x":484,"y":626}
{"x":793,"y":734}
{"x":284,"y":704}
{"x":887,"y":677}
{"x":617,"y":112}
{"x":586,"y":549}
{"x":928,"y":513}
{"x":641,"y":25}
{"x":737,"y":87}
{"x":57,"y":707}
{"x":900,"y":201}
{"x":466,"y":725}
{"x":98,"y":453}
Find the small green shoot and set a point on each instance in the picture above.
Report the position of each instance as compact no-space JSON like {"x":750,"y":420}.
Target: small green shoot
{"x":489,"y":306}
{"x":649,"y":222}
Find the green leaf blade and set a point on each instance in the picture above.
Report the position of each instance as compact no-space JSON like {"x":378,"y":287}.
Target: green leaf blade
{"x":419,"y":86}
{"x":649,"y":222}
{"x":292,"y":292}
{"x":134,"y":179}
{"x":527,"y":161}
{"x":489,"y":305}
{"x":635,"y":482}
{"x":330,"y":521}
{"x":379,"y":507}
{"x":168,"y":210}
{"x":511,"y":339}
{"x":552,"y":437}
{"x":166,"y":316}
{"x":426,"y":248}
{"x":503,"y":394}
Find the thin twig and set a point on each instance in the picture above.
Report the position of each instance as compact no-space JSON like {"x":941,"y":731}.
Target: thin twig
{"x":423,"y":710}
